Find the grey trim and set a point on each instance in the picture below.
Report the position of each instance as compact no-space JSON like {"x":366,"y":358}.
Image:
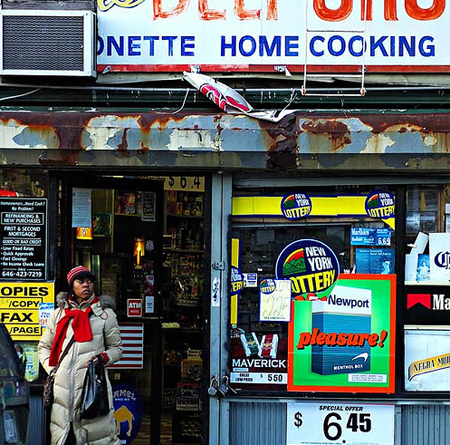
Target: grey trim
{"x":243,"y":181}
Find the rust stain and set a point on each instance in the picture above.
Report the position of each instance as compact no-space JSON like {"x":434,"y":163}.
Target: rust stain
{"x":123,"y":146}
{"x":337,"y":132}
{"x":283,"y":148}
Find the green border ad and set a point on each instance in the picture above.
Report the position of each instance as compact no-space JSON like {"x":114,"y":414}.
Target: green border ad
{"x":347,"y":343}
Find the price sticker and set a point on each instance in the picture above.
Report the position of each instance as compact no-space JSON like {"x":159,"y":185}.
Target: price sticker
{"x":340,"y":423}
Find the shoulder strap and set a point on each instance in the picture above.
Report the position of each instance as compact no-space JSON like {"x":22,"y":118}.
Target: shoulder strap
{"x":64,"y":353}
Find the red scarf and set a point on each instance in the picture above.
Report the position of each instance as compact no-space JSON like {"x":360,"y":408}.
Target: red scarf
{"x":81,"y":330}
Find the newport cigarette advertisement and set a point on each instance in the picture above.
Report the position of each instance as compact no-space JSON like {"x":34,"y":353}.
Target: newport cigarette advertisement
{"x":427,"y":359}
{"x":344,"y":341}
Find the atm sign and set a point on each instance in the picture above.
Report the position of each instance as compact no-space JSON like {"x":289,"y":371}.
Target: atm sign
{"x":134,"y":307}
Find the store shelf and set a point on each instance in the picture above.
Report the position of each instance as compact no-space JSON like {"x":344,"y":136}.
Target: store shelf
{"x":176,"y":215}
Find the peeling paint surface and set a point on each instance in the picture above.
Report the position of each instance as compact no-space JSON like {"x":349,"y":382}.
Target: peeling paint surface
{"x":300,"y":140}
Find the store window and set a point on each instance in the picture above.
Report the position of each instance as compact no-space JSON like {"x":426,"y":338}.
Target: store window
{"x":26,"y":183}
{"x":427,"y":296}
{"x":313,"y":290}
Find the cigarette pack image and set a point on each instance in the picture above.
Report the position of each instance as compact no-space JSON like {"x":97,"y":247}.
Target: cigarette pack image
{"x":343,"y":317}
{"x":250,"y":344}
{"x":269,"y":345}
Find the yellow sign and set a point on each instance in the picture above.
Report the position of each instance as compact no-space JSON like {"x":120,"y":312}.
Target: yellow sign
{"x":323,"y":206}
{"x":25,"y":307}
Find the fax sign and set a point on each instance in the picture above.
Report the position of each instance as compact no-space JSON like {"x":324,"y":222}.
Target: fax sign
{"x":134,"y":307}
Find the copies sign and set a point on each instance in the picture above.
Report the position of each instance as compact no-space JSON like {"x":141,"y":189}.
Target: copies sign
{"x":396,"y":35}
{"x":346,"y":342}
{"x":21,"y":308}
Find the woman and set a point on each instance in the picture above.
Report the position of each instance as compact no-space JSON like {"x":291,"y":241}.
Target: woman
{"x":93,"y":324}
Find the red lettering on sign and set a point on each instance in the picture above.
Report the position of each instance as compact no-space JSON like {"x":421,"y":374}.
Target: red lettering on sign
{"x":431,"y":13}
{"x":390,"y":10}
{"x":214,"y":14}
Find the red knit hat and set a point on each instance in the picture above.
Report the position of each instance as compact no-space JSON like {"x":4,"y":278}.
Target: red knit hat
{"x":79,"y":272}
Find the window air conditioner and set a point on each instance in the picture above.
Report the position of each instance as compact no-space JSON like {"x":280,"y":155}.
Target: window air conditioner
{"x":47,"y":43}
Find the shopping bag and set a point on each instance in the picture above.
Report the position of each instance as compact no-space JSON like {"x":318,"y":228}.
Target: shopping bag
{"x":94,"y":400}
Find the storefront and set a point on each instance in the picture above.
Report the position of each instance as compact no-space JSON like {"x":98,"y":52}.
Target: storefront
{"x":144,"y":239}
{"x":307,"y":303}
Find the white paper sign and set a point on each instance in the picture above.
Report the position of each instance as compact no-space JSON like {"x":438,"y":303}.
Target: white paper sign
{"x":275,"y":300}
{"x":440,"y":257}
{"x":81,"y":207}
{"x":333,"y":422}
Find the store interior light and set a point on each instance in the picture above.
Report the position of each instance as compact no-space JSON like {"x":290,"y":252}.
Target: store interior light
{"x":84,"y":233}
{"x":139,"y":250}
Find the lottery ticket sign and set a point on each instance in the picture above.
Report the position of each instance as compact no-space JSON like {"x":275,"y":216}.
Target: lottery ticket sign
{"x":339,"y":424}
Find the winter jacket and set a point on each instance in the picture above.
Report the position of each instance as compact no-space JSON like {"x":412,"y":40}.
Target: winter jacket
{"x":69,"y":378}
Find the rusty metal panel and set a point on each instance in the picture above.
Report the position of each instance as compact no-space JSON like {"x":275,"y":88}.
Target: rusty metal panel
{"x":299,"y":141}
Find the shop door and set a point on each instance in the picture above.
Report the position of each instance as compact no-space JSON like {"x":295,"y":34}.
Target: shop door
{"x":130,"y":247}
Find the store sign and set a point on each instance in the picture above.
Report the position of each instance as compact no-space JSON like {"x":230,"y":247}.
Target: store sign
{"x":312,"y":267}
{"x":340,"y":206}
{"x":347,"y":35}
{"x":237,"y":281}
{"x":258,"y":360}
{"x":23,"y":235}
{"x":366,"y":236}
{"x":346,"y":342}
{"x":25,"y":308}
{"x":429,"y":305}
{"x":439,"y":257}
{"x":380,"y":205}
{"x":296,"y":205}
{"x":134,"y":307}
{"x":127,"y":412}
{"x":275,"y":300}
{"x":333,"y":422}
{"x":427,"y":359}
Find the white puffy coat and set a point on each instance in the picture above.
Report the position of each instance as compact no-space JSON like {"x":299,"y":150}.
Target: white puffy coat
{"x":69,"y":378}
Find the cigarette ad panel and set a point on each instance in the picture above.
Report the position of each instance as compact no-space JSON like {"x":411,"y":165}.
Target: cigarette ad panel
{"x":427,"y":358}
{"x":345,"y":342}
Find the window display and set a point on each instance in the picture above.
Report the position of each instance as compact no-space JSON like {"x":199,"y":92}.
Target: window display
{"x":320,"y":254}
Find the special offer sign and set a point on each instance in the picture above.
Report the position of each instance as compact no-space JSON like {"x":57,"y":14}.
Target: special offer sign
{"x":262,"y":35}
{"x":340,"y":423}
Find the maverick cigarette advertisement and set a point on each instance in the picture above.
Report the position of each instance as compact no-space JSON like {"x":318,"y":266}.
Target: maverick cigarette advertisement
{"x":344,"y":342}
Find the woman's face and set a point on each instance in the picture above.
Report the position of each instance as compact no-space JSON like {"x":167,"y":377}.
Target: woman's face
{"x":83,"y":288}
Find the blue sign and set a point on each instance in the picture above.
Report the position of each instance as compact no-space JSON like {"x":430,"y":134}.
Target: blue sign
{"x":127,"y":412}
{"x":296,"y":205}
{"x":365,"y":236}
{"x":312,"y":267}
{"x":380,"y":205}
{"x":237,"y":281}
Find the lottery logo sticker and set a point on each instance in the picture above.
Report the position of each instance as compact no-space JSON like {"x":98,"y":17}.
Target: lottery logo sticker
{"x":296,"y":205}
{"x":312,"y":267}
{"x":380,"y":205}
{"x":237,"y":281}
{"x":267,"y":286}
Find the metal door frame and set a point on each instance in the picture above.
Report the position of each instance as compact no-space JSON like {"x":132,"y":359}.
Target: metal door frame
{"x":221,"y":193}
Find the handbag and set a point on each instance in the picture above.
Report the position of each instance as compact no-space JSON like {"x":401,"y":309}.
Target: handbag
{"x":47,"y":393}
{"x":94,"y":399}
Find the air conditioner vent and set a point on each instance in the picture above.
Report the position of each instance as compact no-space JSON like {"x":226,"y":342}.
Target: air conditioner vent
{"x":59,"y":43}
